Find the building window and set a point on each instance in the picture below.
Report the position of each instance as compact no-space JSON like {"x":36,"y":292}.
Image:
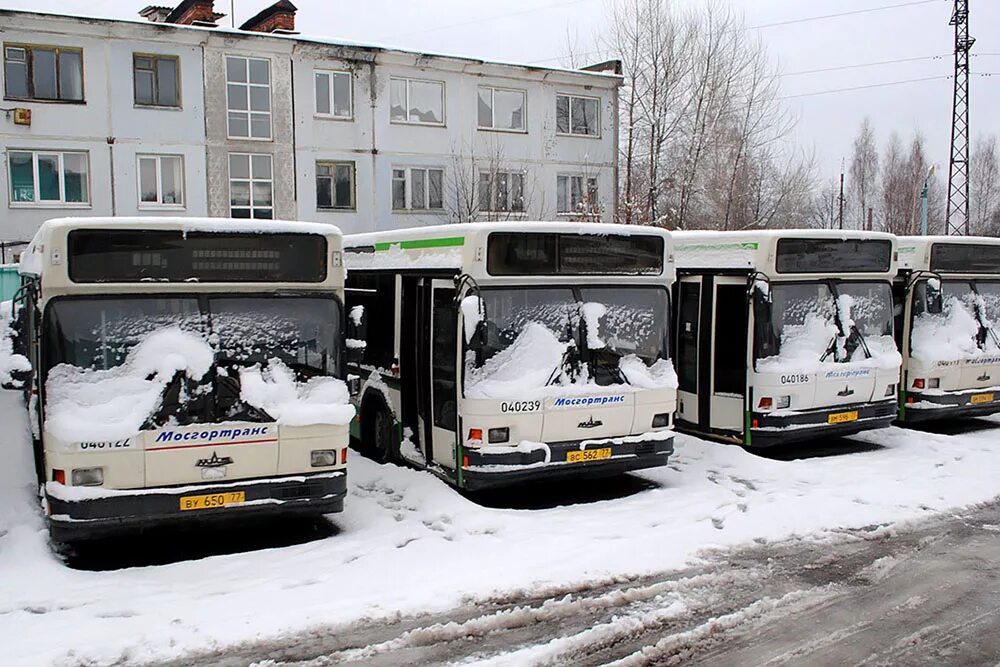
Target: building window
{"x":248,"y":97}
{"x":502,"y":109}
{"x":416,"y":101}
{"x":43,"y":73}
{"x":333,"y":94}
{"x":578,"y":115}
{"x":157,"y":80}
{"x":417,"y":189}
{"x":161,"y":181}
{"x":571,"y":197}
{"x":501,"y":191}
{"x":48,"y":178}
{"x":251,"y":188}
{"x":335,"y":185}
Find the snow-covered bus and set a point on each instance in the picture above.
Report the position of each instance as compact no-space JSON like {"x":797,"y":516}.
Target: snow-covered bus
{"x":497,"y":353}
{"x":948,"y":307}
{"x":784,"y":335}
{"x":183,"y":370}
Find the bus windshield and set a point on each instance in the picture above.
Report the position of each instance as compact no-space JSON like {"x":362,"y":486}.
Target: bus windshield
{"x":817,"y":322}
{"x":98,"y":333}
{"x":620,"y":334}
{"x":962,"y":324}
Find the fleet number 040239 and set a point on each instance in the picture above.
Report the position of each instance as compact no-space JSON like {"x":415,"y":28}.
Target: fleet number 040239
{"x":520,"y":406}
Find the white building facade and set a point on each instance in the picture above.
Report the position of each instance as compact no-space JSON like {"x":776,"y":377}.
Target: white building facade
{"x":135,"y":118}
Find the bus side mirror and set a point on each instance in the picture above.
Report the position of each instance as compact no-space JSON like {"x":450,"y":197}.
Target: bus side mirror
{"x":357,"y":334}
{"x":935,"y":300}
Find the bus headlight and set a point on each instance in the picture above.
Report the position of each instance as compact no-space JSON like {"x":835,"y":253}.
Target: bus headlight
{"x":933,"y":383}
{"x":88,"y":476}
{"x":661,"y":420}
{"x":322,"y":458}
{"x":499,"y":434}
{"x":783,"y":402}
{"x":890,"y":390}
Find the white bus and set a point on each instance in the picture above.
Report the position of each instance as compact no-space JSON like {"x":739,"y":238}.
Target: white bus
{"x":183,"y":370}
{"x":504,"y":352}
{"x":784,"y":335}
{"x":948,"y":305}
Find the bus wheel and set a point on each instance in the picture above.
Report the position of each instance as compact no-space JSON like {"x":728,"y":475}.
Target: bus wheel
{"x":383,"y":443}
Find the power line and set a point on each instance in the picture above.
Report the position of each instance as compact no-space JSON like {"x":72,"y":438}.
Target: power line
{"x":486,"y":18}
{"x":872,"y":85}
{"x":860,"y":65}
{"x":854,"y":12}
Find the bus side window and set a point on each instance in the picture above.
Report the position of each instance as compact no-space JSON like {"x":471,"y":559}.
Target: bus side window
{"x":443,"y":351}
{"x":377,"y":293}
{"x":687,"y":336}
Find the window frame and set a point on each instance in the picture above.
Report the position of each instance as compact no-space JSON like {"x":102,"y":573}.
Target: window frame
{"x":30,"y":70}
{"x":248,"y":85}
{"x":330,"y":73}
{"x":48,"y":203}
{"x":492,"y":176}
{"x":408,"y":189}
{"x":354,"y":184}
{"x":571,"y":133}
{"x":156,"y":78}
{"x":159,"y":205}
{"x":250,"y":180}
{"x":409,"y":80}
{"x":594,"y":209}
{"x":493,"y":114}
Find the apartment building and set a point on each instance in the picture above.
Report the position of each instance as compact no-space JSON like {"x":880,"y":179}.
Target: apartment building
{"x":174,"y":114}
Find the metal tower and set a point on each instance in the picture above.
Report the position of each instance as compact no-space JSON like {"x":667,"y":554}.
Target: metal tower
{"x":957,"y":215}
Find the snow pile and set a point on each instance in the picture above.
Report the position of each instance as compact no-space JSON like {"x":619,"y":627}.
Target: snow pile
{"x":592,"y":313}
{"x":660,"y":375}
{"x":946,"y":336}
{"x":320,"y":400}
{"x":802,"y":345}
{"x":525,"y":366}
{"x":9,"y":361}
{"x":113,"y":404}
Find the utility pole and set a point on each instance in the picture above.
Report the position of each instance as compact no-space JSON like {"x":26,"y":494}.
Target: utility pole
{"x":956,"y":219}
{"x":840,"y":200}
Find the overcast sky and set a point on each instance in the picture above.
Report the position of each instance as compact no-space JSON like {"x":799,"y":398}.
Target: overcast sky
{"x":535,"y":31}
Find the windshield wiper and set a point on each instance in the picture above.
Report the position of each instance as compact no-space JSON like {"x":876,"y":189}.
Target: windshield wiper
{"x":853,"y":338}
{"x":984,"y":328}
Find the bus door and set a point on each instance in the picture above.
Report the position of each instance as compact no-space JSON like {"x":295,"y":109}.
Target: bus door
{"x":711,"y":352}
{"x":444,"y":351}
{"x":436,"y":330}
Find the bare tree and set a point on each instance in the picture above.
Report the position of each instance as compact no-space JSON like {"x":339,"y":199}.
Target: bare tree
{"x":984,"y":187}
{"x":485,"y":186}
{"x":824,"y":207}
{"x":863,"y":171}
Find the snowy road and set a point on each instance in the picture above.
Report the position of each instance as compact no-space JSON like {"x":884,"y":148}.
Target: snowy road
{"x":926,"y":595}
{"x":409,"y":551}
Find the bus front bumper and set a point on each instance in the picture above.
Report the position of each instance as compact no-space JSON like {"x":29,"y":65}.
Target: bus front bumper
{"x":768,"y":429}
{"x":550,"y":461}
{"x":80,"y":513}
{"x":920,"y":407}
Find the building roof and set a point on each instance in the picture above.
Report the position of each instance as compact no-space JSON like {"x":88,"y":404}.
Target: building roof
{"x":280,"y":7}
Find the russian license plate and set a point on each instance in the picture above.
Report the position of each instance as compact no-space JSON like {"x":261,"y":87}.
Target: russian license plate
{"x":981,"y":398}
{"x":588,"y":455}
{"x":842,"y":417}
{"x":212,"y":500}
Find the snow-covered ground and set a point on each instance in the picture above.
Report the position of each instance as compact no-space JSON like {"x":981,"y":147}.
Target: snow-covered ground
{"x":409,"y":543}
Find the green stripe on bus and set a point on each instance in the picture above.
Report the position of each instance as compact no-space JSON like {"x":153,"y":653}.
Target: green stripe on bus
{"x":743,"y":245}
{"x":415,"y":244}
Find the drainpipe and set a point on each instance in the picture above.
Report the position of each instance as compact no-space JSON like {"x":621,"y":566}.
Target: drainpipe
{"x":111,"y":159}
{"x":372,"y":96}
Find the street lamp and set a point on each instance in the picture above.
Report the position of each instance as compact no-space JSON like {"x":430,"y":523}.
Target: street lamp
{"x":923,"y":202}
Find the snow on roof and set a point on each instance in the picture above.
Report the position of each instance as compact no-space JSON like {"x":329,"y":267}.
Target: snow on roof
{"x":748,"y":249}
{"x":319,"y":40}
{"x":473,"y":228}
{"x":914,"y":250}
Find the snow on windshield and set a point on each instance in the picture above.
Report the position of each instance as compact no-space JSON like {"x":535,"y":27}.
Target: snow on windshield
{"x":9,"y":361}
{"x":320,"y":400}
{"x":951,"y":335}
{"x":113,"y":404}
{"x":804,"y":335}
{"x":527,"y":343}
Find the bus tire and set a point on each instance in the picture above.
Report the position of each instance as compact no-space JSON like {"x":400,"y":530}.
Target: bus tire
{"x":378,"y":430}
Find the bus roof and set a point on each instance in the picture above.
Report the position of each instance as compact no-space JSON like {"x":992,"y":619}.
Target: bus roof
{"x":32,"y":259}
{"x":915,"y":254}
{"x":753,"y":250}
{"x":453,"y":245}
